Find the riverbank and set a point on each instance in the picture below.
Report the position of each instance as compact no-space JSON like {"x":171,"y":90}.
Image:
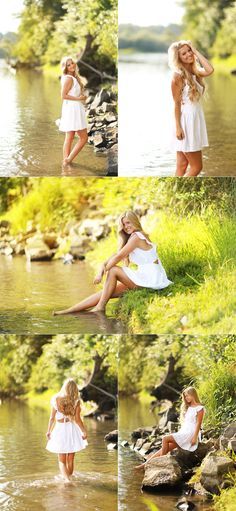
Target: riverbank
{"x":209,"y":473}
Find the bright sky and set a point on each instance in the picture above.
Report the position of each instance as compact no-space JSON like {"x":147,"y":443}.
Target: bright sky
{"x":150,"y":12}
{"x":8,"y":10}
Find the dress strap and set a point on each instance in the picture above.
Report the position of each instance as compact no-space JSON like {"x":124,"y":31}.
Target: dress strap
{"x":142,"y":237}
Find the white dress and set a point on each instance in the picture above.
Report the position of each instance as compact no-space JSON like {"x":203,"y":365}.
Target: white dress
{"x":149,"y":274}
{"x":66,"y":437}
{"x":184,"y":436}
{"x":192,"y":122}
{"x":73,"y":116}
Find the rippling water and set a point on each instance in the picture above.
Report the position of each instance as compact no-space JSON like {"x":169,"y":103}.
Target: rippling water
{"x":29,"y":474}
{"x":30,"y":143}
{"x":132,"y":415}
{"x":30,"y":293}
{"x":146,"y":115}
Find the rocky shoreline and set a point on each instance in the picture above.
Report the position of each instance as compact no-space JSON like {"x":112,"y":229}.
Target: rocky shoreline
{"x":103,"y":127}
{"x":70,"y":244}
{"x":204,"y":472}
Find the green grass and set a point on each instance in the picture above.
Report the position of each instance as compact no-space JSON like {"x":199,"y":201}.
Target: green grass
{"x":226,"y":500}
{"x":198,"y":255}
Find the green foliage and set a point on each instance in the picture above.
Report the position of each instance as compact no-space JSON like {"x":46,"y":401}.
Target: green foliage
{"x":40,"y":363}
{"x":226,"y":500}
{"x":225,"y":43}
{"x":49,"y":30}
{"x":147,"y":39}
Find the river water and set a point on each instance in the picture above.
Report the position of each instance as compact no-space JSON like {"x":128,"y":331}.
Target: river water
{"x":134,"y":414}
{"x":146,"y":116}
{"x":30,"y":293}
{"x":30,"y":143}
{"x":28,"y":473}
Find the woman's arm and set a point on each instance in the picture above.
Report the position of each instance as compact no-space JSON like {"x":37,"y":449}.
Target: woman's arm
{"x":66,"y":88}
{"x":79,"y":421}
{"x":198,"y":427}
{"x":208,"y":69}
{"x":51,"y":423}
{"x":176,"y":87}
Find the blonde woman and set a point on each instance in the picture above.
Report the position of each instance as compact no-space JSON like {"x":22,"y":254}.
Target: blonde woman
{"x":188,"y":436}
{"x":73,"y":118}
{"x":134,"y":246}
{"x":187,"y":89}
{"x":66,"y":432}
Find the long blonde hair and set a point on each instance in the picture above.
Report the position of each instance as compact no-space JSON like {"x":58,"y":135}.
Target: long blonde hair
{"x":123,"y":237}
{"x":177,"y":66}
{"x":184,"y":406}
{"x":64,"y":68}
{"x":68,"y":398}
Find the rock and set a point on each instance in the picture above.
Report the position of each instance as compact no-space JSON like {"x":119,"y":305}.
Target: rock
{"x":232,"y":444}
{"x":101,"y":97}
{"x":89,"y":100}
{"x":214,"y":471}
{"x":37,"y":254}
{"x":169,"y":415}
{"x":108,"y":107}
{"x":112,"y":436}
{"x":185,"y":505}
{"x":8,"y":251}
{"x":112,"y":169}
{"x":162,"y":471}
{"x":50,"y":239}
{"x":77,"y":254}
{"x":110,"y":117}
{"x":141,"y":433}
{"x":223,"y":442}
{"x":230,"y":431}
{"x":4,"y":224}
{"x":125,"y":443}
{"x":187,"y":460}
{"x":172,"y":426}
{"x":98,"y":139}
{"x":112,"y":446}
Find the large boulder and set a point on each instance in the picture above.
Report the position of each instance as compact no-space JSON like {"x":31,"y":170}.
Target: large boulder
{"x":112,"y":436}
{"x":162,"y":471}
{"x":37,"y":250}
{"x":230,"y":431}
{"x":141,"y":433}
{"x":215,"y":470}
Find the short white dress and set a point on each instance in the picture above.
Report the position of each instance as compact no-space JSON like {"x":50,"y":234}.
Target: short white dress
{"x":150,"y":272}
{"x":184,"y":436}
{"x":73,"y":116}
{"x":192,"y":122}
{"x":66,"y":437}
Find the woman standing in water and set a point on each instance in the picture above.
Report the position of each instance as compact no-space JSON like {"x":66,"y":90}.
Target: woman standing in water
{"x":66,"y":431}
{"x":188,"y":436}
{"x":73,"y":119}
{"x":188,"y":88}
{"x":136,"y":247}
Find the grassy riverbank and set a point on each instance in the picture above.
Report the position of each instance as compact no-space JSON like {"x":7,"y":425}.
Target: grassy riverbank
{"x":198,"y":255}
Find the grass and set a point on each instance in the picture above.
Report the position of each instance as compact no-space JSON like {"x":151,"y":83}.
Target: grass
{"x":198,"y":255}
{"x":226,"y":500}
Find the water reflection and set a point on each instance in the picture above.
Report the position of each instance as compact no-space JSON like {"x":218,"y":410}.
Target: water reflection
{"x":30,"y":293}
{"x":146,"y":115}
{"x":30,"y":143}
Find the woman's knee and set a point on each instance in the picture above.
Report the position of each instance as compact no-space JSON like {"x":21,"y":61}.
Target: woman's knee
{"x":112,"y":272}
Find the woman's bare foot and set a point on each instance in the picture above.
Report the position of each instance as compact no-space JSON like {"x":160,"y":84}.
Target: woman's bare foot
{"x":58,"y":313}
{"x":98,"y":309}
{"x":66,"y":161}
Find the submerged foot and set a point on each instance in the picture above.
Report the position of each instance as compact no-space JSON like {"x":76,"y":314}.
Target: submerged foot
{"x":98,"y":309}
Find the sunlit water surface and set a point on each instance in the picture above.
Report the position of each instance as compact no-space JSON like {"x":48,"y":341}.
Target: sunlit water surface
{"x":29,"y":474}
{"x":30,"y":142}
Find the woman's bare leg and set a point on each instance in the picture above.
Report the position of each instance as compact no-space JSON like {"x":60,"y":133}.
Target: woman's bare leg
{"x":168,"y":444}
{"x":83,"y":138}
{"x":195,"y":162}
{"x":91,"y":301}
{"x":69,"y":137}
{"x":181,"y":164}
{"x":62,"y":466}
{"x":70,"y":463}
{"x":114,"y":275}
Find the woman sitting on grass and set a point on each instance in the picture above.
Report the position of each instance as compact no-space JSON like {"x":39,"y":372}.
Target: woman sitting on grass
{"x":136,"y":247}
{"x":188,"y":436}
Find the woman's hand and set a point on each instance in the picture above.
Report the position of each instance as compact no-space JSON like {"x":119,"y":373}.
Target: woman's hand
{"x":98,"y":278}
{"x":179,"y":133}
{"x":82,"y":97}
{"x":194,"y":440}
{"x":84,"y":435}
{"x":48,"y":435}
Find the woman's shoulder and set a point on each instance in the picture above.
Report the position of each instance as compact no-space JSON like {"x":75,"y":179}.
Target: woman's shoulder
{"x":54,"y":401}
{"x":65,"y":78}
{"x":198,"y":407}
